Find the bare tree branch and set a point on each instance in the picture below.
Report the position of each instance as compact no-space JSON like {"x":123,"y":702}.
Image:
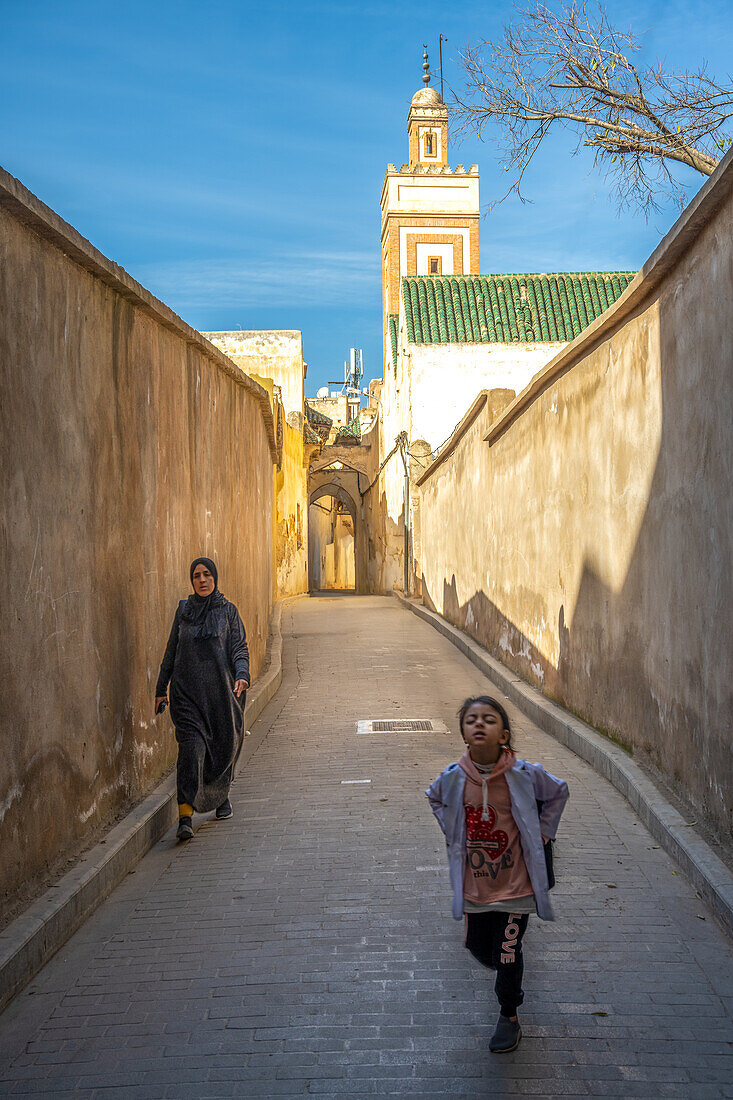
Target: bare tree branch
{"x":570,"y":67}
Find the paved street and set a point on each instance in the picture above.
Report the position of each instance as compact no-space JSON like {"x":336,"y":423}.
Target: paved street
{"x":306,"y":947}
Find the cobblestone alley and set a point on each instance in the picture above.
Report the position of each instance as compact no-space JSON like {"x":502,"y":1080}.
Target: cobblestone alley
{"x":306,"y":946}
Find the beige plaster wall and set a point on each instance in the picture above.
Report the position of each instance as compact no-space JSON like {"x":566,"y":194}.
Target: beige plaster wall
{"x":331,"y":549}
{"x":320,"y":533}
{"x":336,"y":409}
{"x":344,"y":574}
{"x":290,"y":540}
{"x":128,"y":446}
{"x":271,"y":354}
{"x":274,"y":360}
{"x":383,"y":535}
{"x":339,"y":572}
{"x":589,"y":545}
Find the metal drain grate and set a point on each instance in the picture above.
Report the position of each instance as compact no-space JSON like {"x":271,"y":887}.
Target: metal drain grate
{"x":404,"y":725}
{"x":399,"y":725}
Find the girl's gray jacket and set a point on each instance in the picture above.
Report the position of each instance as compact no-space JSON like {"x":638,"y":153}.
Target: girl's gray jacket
{"x":527,"y":784}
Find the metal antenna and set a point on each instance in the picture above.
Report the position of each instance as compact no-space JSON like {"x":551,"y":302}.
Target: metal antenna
{"x":441,"y":40}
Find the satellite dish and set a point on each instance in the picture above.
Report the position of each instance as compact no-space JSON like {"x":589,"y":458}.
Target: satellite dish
{"x":323,"y":392}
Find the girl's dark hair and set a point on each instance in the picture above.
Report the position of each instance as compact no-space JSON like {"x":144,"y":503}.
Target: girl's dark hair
{"x":488,"y":702}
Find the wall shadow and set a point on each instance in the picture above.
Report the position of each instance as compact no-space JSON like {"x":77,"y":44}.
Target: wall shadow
{"x":643,"y":656}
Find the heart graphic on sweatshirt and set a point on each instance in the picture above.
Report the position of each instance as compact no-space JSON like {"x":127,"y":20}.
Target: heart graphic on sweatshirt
{"x":484,"y":833}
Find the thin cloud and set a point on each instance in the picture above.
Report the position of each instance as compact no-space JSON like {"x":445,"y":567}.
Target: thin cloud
{"x":305,"y":279}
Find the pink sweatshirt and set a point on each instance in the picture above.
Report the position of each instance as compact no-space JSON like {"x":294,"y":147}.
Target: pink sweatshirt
{"x":495,"y":867}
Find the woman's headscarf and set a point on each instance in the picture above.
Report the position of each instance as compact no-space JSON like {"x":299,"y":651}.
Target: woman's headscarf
{"x":204,"y":612}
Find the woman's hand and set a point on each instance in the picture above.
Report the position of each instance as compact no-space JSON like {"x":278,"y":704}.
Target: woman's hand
{"x":240,"y":686}
{"x":158,"y":700}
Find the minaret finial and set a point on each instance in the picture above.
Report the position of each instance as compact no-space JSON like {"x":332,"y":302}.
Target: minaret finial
{"x":426,"y":67}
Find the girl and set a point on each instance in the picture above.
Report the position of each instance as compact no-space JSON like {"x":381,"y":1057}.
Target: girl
{"x":497,"y":812}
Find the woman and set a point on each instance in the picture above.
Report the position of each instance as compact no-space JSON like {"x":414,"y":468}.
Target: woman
{"x":207,"y":663}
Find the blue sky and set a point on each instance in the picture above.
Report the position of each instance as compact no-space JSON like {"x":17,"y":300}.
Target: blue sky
{"x":230,"y":155}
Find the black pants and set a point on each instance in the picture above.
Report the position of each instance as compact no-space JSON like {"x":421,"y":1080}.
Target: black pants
{"x":495,"y":939}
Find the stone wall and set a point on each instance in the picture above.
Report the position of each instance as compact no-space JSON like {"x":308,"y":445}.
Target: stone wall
{"x":129,"y":446}
{"x":584,"y":537}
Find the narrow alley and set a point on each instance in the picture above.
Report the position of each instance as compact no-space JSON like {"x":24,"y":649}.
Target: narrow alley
{"x":306,"y":946}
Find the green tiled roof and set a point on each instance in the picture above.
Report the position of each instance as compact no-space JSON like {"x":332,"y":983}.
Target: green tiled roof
{"x":310,"y":435}
{"x":350,"y":431}
{"x":316,"y":417}
{"x":394,"y":321}
{"x":505,"y":309}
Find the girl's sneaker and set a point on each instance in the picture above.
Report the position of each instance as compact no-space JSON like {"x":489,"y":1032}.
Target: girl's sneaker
{"x":506,"y":1037}
{"x":224,"y":811}
{"x":185,"y":829}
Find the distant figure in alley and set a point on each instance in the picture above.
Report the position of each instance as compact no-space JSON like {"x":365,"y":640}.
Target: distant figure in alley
{"x":206,"y":663}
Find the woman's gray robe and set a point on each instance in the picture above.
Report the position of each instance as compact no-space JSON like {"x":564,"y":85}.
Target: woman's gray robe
{"x":206,"y":713}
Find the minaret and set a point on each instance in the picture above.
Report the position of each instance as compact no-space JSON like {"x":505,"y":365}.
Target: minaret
{"x":430,"y":212}
{"x":427,"y":125}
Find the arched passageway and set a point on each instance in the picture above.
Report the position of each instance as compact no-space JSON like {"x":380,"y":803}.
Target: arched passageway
{"x":332,"y":538}
{"x":330,"y":545}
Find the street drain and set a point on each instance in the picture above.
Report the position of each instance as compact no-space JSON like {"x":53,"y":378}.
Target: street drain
{"x":399,"y":725}
{"x":407,"y":725}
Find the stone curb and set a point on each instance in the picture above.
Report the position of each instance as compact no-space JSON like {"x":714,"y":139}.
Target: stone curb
{"x":707,"y":873}
{"x":28,"y":942}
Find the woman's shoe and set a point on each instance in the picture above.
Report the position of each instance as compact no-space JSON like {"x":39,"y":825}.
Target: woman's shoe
{"x":224,"y":811}
{"x":185,"y":829}
{"x":506,"y":1037}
